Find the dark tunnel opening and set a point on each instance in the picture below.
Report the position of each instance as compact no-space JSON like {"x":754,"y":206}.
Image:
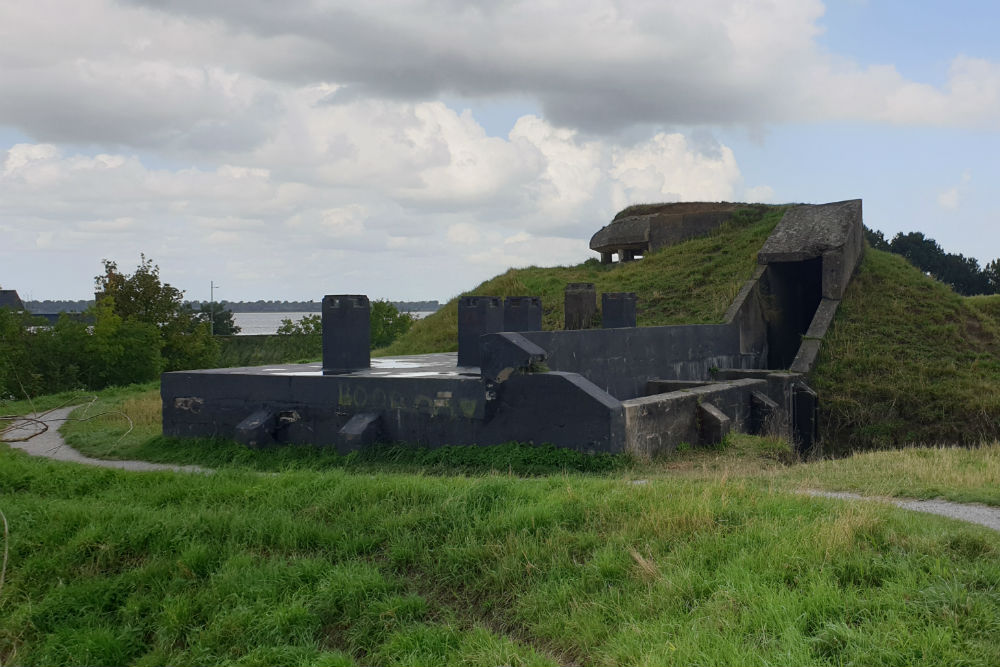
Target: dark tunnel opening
{"x":794,"y":292}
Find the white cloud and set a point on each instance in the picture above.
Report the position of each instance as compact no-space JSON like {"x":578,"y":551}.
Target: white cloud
{"x":545,"y":191}
{"x":204,"y":77}
{"x":951,"y":198}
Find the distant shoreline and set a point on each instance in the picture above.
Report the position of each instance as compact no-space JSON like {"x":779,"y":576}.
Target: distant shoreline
{"x":69,"y":306}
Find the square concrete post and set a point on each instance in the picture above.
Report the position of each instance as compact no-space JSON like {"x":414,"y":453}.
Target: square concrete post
{"x":607,"y":257}
{"x":522,"y":313}
{"x":477,"y":315}
{"x":346,"y":333}
{"x":579,"y":305}
{"x":618,"y":310}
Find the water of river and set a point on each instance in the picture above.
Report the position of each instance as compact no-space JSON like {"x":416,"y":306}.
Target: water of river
{"x":268,"y":323}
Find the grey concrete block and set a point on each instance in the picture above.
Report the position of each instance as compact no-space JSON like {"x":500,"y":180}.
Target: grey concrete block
{"x":579,"y":306}
{"x":621,"y":361}
{"x":658,"y":386}
{"x":714,"y":424}
{"x":522,"y":313}
{"x":763,"y":413}
{"x":505,"y":354}
{"x":618,"y":310}
{"x":477,"y":315}
{"x":346,"y":332}
{"x":360,"y":430}
{"x":823,"y":318}
{"x":257,"y":430}
{"x":805,"y":358}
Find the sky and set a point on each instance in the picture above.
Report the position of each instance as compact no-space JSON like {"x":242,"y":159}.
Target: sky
{"x":411,"y":149}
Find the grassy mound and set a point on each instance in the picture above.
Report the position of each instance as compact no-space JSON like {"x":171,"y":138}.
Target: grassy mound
{"x":908,"y":361}
{"x":690,"y":283}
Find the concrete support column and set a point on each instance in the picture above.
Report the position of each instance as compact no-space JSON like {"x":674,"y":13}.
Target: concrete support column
{"x":346,"y":333}
{"x":579,"y":305}
{"x":522,"y":313}
{"x":607,"y":257}
{"x":618,"y":310}
{"x":477,"y":315}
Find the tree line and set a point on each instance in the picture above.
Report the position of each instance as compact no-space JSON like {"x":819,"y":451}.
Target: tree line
{"x":963,"y":274}
{"x":259,"y":306}
{"x":138,"y":327}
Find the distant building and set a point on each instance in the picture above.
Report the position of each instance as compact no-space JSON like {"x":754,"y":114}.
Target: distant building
{"x":10,"y":299}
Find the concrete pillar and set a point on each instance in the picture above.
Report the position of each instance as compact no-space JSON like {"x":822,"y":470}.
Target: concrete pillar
{"x":522,"y":313}
{"x":607,"y":257}
{"x":477,"y":315}
{"x":579,"y":305}
{"x":346,"y":333}
{"x":618,"y":310}
{"x":626,"y":255}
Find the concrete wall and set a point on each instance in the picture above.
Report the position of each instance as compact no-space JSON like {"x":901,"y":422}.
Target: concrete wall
{"x":621,"y":361}
{"x":559,"y":408}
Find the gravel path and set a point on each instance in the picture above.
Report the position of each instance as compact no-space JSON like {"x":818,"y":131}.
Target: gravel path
{"x":973,"y":513}
{"x":50,"y":444}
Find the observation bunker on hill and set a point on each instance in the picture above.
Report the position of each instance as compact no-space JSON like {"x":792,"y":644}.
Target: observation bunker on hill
{"x":617,"y":388}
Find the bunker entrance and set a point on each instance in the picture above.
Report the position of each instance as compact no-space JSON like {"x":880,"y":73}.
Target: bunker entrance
{"x":795,"y":290}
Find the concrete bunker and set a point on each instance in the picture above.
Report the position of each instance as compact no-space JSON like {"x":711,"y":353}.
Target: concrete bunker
{"x":611,"y":388}
{"x":641,"y":229}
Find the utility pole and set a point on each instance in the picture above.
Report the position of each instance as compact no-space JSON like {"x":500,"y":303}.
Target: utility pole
{"x":211,"y":306}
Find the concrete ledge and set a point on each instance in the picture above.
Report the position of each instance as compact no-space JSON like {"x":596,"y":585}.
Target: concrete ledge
{"x":656,"y":425}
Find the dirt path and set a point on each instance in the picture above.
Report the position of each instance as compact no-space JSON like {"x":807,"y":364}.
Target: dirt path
{"x":973,"y":513}
{"x":50,"y":444}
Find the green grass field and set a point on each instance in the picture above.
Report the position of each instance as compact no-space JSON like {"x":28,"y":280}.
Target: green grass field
{"x":707,"y":557}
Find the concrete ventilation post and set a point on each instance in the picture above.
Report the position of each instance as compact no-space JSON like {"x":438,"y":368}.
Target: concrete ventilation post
{"x":618,"y":310}
{"x":522,"y":313}
{"x":346,"y":333}
{"x":580,"y":305}
{"x":477,"y":315}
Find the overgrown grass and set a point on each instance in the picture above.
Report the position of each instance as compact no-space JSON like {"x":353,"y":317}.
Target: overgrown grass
{"x":338,"y":568}
{"x":690,"y":283}
{"x":908,"y":361}
{"x":960,"y":474}
{"x":237,"y":351}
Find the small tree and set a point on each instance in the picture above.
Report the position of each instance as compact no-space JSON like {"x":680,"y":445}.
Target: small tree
{"x":221,"y":317}
{"x":142,"y":297}
{"x":387,"y":323}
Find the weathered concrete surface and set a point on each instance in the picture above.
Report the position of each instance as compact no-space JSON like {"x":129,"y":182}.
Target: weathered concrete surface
{"x":622,"y":361}
{"x":663,"y":225}
{"x":713,"y":424}
{"x":477,"y":315}
{"x":422,"y":399}
{"x":618,"y":310}
{"x":657,"y":424}
{"x":522,"y":313}
{"x":747,"y":312}
{"x":346,"y":332}
{"x":579,"y":306}
{"x":832,"y":232}
{"x":506,"y":354}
